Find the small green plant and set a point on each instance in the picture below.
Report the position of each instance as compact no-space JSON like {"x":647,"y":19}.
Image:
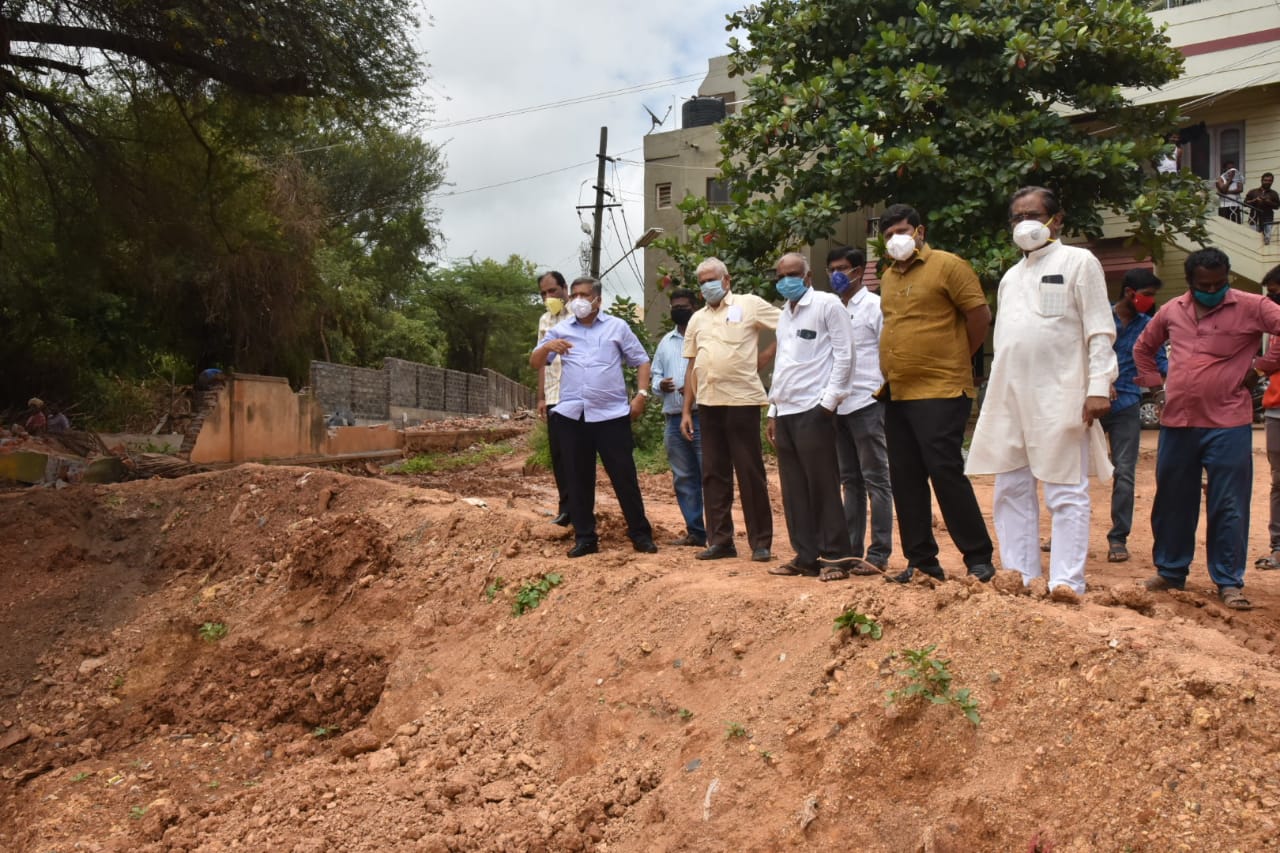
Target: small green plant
{"x":137,"y":812}
{"x":322,"y":732}
{"x":429,"y":463}
{"x":858,"y":623}
{"x":212,"y":632}
{"x":81,"y":776}
{"x":496,"y":586}
{"x":421,"y":464}
{"x":215,"y":784}
{"x":685,"y":714}
{"x":766,"y":757}
{"x":532,"y":594}
{"x":117,"y":682}
{"x":930,"y":677}
{"x":733,"y":730}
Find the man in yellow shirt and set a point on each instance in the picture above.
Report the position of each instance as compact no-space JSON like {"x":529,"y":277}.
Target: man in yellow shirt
{"x":935,"y":318}
{"x":721,"y":343}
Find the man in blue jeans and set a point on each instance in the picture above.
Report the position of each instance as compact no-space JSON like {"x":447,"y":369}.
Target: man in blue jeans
{"x":1123,"y":424}
{"x":1207,"y":424}
{"x":683,"y":454}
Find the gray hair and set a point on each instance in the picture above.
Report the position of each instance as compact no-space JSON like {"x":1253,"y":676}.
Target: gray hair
{"x":804,"y":258}
{"x":714,"y":265}
{"x":596,"y":287}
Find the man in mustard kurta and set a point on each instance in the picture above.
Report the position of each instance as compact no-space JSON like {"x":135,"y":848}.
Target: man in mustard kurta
{"x":1050,"y":382}
{"x":935,"y":318}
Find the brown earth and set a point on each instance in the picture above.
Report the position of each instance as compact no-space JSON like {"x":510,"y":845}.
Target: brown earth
{"x":368,"y":695}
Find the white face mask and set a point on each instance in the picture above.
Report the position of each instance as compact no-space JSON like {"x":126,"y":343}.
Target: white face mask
{"x":900,"y":246}
{"x":1030,"y":235}
{"x":580,"y":307}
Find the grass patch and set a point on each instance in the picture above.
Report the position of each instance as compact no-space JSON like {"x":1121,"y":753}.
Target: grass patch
{"x":212,"y":632}
{"x":434,"y":463}
{"x":532,"y":594}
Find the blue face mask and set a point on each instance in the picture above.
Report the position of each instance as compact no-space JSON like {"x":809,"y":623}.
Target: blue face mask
{"x":1209,"y":300}
{"x":712,"y":291}
{"x":839,"y":282}
{"x":791,"y":287}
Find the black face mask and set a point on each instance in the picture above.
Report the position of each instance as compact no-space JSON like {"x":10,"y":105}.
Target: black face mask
{"x":680,"y":316}
{"x":1274,"y":297}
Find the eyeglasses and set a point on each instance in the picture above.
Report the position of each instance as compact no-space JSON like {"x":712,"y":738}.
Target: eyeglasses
{"x":1014,"y":219}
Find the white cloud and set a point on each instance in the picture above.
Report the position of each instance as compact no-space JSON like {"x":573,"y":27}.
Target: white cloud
{"x":488,"y":57}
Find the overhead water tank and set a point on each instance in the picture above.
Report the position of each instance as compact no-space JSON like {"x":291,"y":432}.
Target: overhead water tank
{"x":701,"y":111}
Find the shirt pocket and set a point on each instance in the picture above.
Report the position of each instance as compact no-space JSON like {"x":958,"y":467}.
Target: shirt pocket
{"x":1051,"y":297}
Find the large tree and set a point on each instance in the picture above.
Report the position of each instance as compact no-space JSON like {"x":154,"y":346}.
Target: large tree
{"x":489,"y":314}
{"x":947,"y":105}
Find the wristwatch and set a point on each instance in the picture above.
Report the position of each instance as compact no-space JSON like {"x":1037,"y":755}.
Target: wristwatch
{"x":643,"y":392}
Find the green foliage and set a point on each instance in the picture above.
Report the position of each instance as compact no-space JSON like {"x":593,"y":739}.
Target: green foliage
{"x":734,"y":730}
{"x":647,"y":431}
{"x":948,"y":106}
{"x":930,"y":678}
{"x":858,"y":623}
{"x":434,"y":463}
{"x":212,"y":632}
{"x":488,"y":313}
{"x":685,"y":714}
{"x":532,"y":594}
{"x":494,"y":587}
{"x":81,"y":776}
{"x":137,"y":812}
{"x":539,"y":447}
{"x":326,"y":731}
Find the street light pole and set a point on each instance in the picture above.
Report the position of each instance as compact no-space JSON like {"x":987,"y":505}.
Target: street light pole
{"x":645,"y":239}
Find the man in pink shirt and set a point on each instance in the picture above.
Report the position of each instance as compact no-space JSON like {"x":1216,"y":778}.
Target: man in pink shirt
{"x":1207,"y":421}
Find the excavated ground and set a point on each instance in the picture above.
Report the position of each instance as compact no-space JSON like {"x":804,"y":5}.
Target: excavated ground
{"x":374,"y":691}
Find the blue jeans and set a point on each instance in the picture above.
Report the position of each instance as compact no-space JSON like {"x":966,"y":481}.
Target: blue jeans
{"x":864,"y":472}
{"x":1226,"y":455}
{"x":1124,"y":431}
{"x":685,"y":458}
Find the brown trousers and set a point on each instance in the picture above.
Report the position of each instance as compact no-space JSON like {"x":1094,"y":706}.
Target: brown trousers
{"x":731,"y":445}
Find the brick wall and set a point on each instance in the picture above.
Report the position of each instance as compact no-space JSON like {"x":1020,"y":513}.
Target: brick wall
{"x":369,"y":394}
{"x":361,"y":391}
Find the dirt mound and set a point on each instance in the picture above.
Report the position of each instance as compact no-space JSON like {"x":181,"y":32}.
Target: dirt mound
{"x":283,"y":659}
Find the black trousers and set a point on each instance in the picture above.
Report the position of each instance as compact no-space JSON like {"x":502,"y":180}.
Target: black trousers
{"x":810,"y":475}
{"x":925,"y":437}
{"x":557,"y":462}
{"x":731,"y":445}
{"x":580,"y":443}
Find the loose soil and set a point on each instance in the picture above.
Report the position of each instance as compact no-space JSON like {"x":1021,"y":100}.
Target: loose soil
{"x":373,"y":690}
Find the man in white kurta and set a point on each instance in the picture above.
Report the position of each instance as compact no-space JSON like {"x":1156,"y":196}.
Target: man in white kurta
{"x":1050,"y":381}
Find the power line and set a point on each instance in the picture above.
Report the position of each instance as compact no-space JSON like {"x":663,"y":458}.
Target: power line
{"x":566,"y":102}
{"x":515,"y":180}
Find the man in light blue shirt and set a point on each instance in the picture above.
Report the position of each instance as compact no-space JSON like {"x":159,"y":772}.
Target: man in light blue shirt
{"x":594,"y":414}
{"x":683,"y":454}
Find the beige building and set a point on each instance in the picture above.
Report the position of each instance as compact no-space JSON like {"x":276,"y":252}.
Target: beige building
{"x":1231,"y":84}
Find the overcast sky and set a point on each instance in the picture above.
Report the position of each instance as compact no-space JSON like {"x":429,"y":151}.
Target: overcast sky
{"x":490,"y":57}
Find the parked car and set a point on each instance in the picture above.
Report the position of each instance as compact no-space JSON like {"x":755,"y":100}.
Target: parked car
{"x":1151,"y":406}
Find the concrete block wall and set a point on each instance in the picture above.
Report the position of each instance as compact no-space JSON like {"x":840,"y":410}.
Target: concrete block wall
{"x":405,"y":385}
{"x":361,"y":391}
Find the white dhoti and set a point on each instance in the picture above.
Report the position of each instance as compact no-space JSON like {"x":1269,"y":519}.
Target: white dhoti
{"x":1016,"y":511}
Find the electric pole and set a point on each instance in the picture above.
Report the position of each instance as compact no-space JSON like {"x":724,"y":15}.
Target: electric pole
{"x":599,"y":206}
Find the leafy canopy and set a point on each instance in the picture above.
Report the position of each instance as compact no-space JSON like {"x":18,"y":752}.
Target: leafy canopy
{"x":946,"y":105}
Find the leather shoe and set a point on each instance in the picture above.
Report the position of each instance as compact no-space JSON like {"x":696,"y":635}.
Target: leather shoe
{"x":645,"y":546}
{"x":717,"y":552}
{"x":761,"y":555}
{"x":582,"y":549}
{"x":688,"y":540}
{"x":983,"y":571}
{"x":904,"y":576}
{"x":562,"y":519}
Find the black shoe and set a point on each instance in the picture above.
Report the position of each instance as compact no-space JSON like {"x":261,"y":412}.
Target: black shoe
{"x":717,"y":552}
{"x":562,"y":519}
{"x":983,"y":571}
{"x":904,"y":576}
{"x":761,"y":555}
{"x":645,"y":546}
{"x":582,"y":549}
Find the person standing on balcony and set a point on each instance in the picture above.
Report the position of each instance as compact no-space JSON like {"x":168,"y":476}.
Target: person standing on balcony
{"x":1038,"y":426}
{"x":860,"y":442}
{"x":683,"y":454}
{"x":1262,"y":203}
{"x":935,"y":318}
{"x":1230,"y":185}
{"x":1123,"y":424}
{"x":723,"y":379}
{"x":1207,"y":423}
{"x":551,"y":286}
{"x":810,"y":379}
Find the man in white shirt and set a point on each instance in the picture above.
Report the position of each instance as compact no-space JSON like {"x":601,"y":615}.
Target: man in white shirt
{"x":552,"y":288}
{"x":860,"y":441}
{"x":1230,"y":185}
{"x":810,"y":379}
{"x":1050,"y":382}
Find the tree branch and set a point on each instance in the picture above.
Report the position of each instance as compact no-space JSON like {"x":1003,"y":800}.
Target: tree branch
{"x":36,"y":63}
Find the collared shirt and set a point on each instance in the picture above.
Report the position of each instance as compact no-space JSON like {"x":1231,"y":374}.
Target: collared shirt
{"x":723,"y":340}
{"x":669,"y":363}
{"x":867,"y":321}
{"x":1209,"y":358}
{"x":924,"y":347}
{"x":1127,"y":391}
{"x":592,"y":386}
{"x":815,"y":355}
{"x":551,"y":373}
